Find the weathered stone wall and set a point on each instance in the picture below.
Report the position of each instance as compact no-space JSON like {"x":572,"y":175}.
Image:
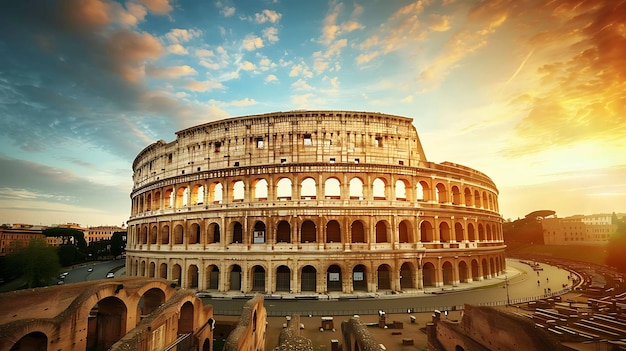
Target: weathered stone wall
{"x":357,"y":337}
{"x":249,"y":334}
{"x":290,"y":338}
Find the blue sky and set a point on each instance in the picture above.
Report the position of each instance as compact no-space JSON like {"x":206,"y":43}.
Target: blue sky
{"x":532,"y":93}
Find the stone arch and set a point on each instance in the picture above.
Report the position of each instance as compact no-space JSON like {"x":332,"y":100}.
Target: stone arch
{"x":109,"y":320}
{"x":177,"y":274}
{"x":359,"y":278}
{"x":283,"y":232}
{"x":283,"y":278}
{"x":259,"y":189}
{"x":32,"y":341}
{"x":259,"y":234}
{"x":153,"y":235}
{"x":489,"y":235}
{"x":237,"y":232}
{"x":458,"y":232}
{"x":178,"y":234}
{"x":156,"y":200}
{"x":308,"y":232}
{"x":150,"y":300}
{"x":332,"y":188}
{"x":235,"y":277}
{"x":382,"y":235}
{"x":168,"y":198}
{"x":384,"y":277}
{"x":444,"y":232}
{"x":144,"y":235}
{"x":475,"y":270}
{"x":258,"y":278}
{"x":192,"y":276}
{"x":485,"y":201}
{"x":182,"y":197}
{"x":194,"y":234}
{"x":333,"y":232}
{"x":237,"y":190}
{"x":356,"y":188}
{"x":422,"y":191}
{"x":357,"y":232}
{"x":427,"y":232}
{"x":152,"y":270}
{"x":492,"y":267}
{"x":456,"y":195}
{"x":407,"y":276}
{"x":216,"y":193}
{"x":284,"y":189}
{"x":379,"y":189}
{"x":448,"y":273}
{"x":401,"y":190}
{"x":186,"y":318}
{"x":334,"y":278}
{"x":213,"y":277}
{"x":429,"y":274}
{"x":467,"y":193}
{"x":163,"y":270}
{"x":214,"y":233}
{"x":471,"y":232}
{"x":441,"y":193}
{"x":197,"y":195}
{"x":308,"y":189}
{"x":481,"y":232}
{"x":165,"y":235}
{"x":308,"y":278}
{"x":485,"y":265}
{"x":477,"y":202}
{"x":405,"y":232}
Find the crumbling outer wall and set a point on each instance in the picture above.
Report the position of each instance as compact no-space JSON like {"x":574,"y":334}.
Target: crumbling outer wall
{"x":249,"y":334}
{"x":355,"y":333}
{"x":290,"y":338}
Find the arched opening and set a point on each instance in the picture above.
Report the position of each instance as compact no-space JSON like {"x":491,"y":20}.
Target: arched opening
{"x":379,"y":189}
{"x":456,"y":195}
{"x":426,"y":232}
{"x":448,"y":273}
{"x":381,"y":232}
{"x":444,"y":232}
{"x":485,"y":269}
{"x":463,"y":272}
{"x":333,"y":232}
{"x":283,"y":189}
{"x":214,"y":233}
{"x":428,"y":274}
{"x":258,"y":278}
{"x":152,"y":270}
{"x":283,"y":232}
{"x":106,"y":323}
{"x":144,"y":235}
{"x":153,"y":235}
{"x":475,"y":270}
{"x":235,"y":278}
{"x":422,"y":191}
{"x":259,"y":187}
{"x":216,"y":191}
{"x":401,"y":190}
{"x":168,"y":198}
{"x":468,"y":197}
{"x":178,"y":234}
{"x":176,"y":274}
{"x":471,"y":233}
{"x":308,"y":189}
{"x":384,"y":278}
{"x":192,"y":276}
{"x":213,"y":275}
{"x":332,"y":189}
{"x":185,"y":320}
{"x":481,"y":233}
{"x":308,"y":281}
{"x":165,"y":235}
{"x":356,"y":189}
{"x":258,"y":236}
{"x":442,"y":194}
{"x":182,"y":197}
{"x":194,"y":234}
{"x":458,"y":232}
{"x":357,"y":232}
{"x":238,"y":190}
{"x":34,"y":341}
{"x":407,"y":276}
{"x":404,"y":232}
{"x":197,"y":195}
{"x":237,"y":233}
{"x":477,"y":203}
{"x":283,"y":278}
{"x":163,"y":271}
{"x":333,"y":278}
{"x":308,"y":232}
{"x":150,"y":301}
{"x":156,"y":201}
{"x":359,"y":278}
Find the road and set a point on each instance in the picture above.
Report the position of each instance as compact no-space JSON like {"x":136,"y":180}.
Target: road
{"x":100,"y":270}
{"x":522,"y":286}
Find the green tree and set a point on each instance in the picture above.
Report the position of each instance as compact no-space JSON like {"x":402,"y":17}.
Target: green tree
{"x":616,"y":247}
{"x":118,"y":243}
{"x":69,"y":236}
{"x":38,"y":263}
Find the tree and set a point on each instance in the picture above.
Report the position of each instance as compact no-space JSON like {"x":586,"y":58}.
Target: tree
{"x":617,"y":245}
{"x":69,"y":236}
{"x":38,"y":263}
{"x":118,"y":243}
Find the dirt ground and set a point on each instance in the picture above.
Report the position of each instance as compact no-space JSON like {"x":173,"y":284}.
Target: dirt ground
{"x":390,"y":338}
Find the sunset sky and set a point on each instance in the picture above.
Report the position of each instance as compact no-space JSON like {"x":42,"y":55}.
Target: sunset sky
{"x":532,"y":93}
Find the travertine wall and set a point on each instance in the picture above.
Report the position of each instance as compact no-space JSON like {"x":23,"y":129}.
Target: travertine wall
{"x":249,"y":334}
{"x":310,"y":202}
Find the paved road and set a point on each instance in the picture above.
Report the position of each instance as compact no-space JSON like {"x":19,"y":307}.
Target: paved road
{"x":522,"y":285}
{"x":100,"y":270}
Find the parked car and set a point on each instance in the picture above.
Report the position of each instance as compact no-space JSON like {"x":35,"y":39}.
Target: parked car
{"x":110,"y":275}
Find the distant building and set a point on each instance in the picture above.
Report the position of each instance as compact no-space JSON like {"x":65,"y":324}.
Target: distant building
{"x":579,"y":229}
{"x":103,"y":232}
{"x":18,"y":235}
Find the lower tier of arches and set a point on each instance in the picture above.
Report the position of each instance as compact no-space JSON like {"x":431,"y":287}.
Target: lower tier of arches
{"x":307,"y":276}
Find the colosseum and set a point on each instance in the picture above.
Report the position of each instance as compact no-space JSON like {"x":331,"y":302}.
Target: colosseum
{"x":310,"y":203}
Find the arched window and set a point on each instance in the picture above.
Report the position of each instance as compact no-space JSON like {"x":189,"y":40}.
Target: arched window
{"x":260,"y":190}
{"x":283,"y":189}
{"x":215,"y":193}
{"x":356,"y":189}
{"x":378,"y":189}
{"x":400,"y":190}
{"x":238,"y":190}
{"x":308,"y":189}
{"x":308,"y":232}
{"x":332,"y":189}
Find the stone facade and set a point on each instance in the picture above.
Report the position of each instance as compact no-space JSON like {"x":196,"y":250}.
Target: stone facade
{"x":310,"y":202}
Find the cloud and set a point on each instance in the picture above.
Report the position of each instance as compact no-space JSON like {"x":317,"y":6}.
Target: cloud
{"x":159,"y":7}
{"x":438,"y":23}
{"x":247,"y":66}
{"x":301,"y":101}
{"x":177,"y":49}
{"x":226,"y":11}
{"x":171,"y":72}
{"x":301,"y":85}
{"x":178,"y":35}
{"x":267,"y":16}
{"x":300,"y":69}
{"x":271,"y":34}
{"x":252,"y":42}
{"x":129,"y":50}
{"x":205,"y":86}
{"x":270,"y":78}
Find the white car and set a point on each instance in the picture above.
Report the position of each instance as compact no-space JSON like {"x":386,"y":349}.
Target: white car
{"x":89,"y":269}
{"x":110,"y":275}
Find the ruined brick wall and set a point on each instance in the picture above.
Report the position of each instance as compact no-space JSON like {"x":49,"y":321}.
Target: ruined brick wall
{"x":357,"y":337}
{"x":290,"y":338}
{"x":249,"y":334}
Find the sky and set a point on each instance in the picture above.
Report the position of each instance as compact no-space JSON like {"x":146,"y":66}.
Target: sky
{"x":530,"y":92}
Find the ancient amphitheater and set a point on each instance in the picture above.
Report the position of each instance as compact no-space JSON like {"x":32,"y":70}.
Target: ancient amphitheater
{"x":310,"y":202}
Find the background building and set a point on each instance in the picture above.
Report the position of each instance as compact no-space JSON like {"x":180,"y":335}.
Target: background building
{"x":579,"y":229}
{"x":18,"y":235}
{"x":103,"y":232}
